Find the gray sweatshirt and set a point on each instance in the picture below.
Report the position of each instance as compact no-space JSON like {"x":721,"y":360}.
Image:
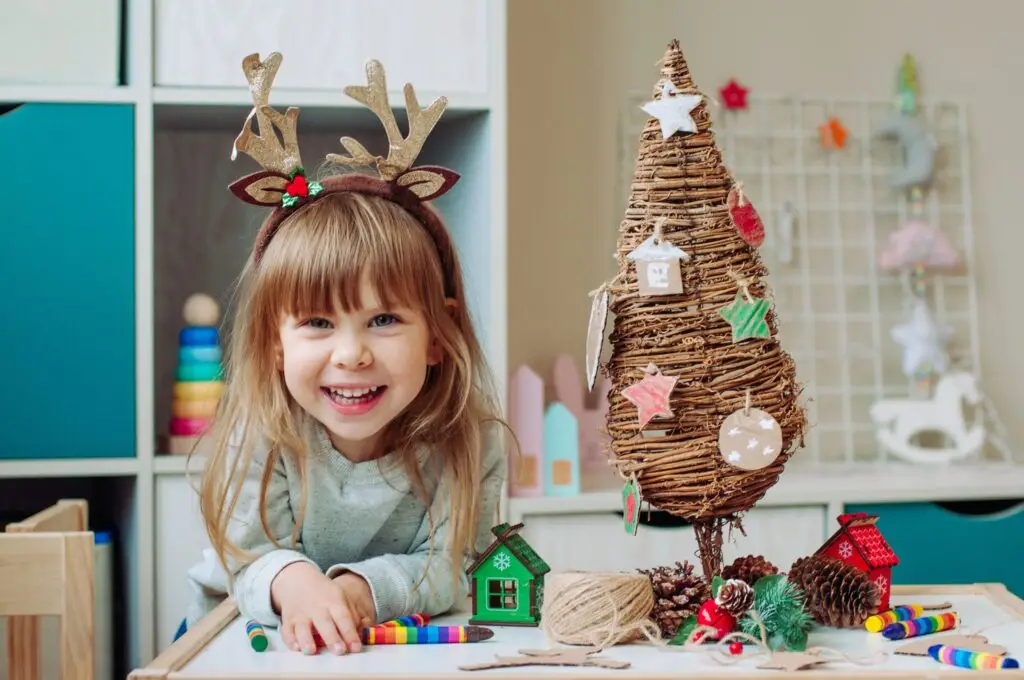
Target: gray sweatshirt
{"x":358,"y":518}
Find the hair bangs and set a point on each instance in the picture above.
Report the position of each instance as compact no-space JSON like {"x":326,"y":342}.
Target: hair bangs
{"x":319,"y":259}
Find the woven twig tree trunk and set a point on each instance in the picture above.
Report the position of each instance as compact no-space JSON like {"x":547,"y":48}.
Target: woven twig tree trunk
{"x":680,"y":189}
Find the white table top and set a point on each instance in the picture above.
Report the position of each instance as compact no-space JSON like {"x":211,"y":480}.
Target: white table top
{"x":229,"y":654}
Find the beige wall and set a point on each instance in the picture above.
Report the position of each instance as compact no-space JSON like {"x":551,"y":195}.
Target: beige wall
{"x":572,"y":61}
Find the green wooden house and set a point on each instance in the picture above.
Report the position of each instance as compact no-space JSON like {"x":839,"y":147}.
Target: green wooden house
{"x":507,"y":581}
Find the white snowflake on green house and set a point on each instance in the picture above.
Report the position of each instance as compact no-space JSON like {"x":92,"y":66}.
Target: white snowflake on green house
{"x":502,"y":561}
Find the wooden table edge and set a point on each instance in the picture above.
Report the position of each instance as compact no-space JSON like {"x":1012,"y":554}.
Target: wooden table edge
{"x":167,"y":665}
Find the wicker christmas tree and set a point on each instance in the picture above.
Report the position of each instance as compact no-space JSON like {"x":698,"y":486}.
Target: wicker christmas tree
{"x":703,"y":406}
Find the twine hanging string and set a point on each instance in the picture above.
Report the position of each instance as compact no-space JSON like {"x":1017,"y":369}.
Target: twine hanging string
{"x":682,"y":184}
{"x":598,"y":609}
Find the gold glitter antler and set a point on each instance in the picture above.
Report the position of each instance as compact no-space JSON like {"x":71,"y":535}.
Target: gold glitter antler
{"x":279,"y":156}
{"x":265,"y":148}
{"x":425,"y":181}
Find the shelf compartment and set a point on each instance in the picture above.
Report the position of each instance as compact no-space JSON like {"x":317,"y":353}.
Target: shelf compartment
{"x":68,"y":277}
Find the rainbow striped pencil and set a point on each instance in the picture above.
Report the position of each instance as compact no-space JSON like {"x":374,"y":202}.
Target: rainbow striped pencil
{"x":878,"y":622}
{"x":420,"y":619}
{"x":965,"y":658}
{"x":924,"y":625}
{"x":424,"y":635}
{"x":258,"y":639}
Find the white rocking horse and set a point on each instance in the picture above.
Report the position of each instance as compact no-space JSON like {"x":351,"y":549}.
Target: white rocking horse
{"x":897,"y":421}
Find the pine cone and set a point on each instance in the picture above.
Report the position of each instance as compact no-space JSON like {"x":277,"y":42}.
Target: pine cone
{"x":735,"y":597}
{"x":836,"y":593}
{"x":749,"y":569}
{"x":678,"y":594}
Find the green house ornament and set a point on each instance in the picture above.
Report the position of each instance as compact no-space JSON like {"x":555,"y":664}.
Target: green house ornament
{"x":507,"y":581}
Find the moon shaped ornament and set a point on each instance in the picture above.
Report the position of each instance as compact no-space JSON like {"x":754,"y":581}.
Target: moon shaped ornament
{"x":918,"y":151}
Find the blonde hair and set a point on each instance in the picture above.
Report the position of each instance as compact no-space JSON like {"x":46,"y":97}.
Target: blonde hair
{"x":315,"y":263}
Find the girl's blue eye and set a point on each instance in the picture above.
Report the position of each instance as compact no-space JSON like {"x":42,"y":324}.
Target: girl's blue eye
{"x":383,"y":320}
{"x":318,"y":323}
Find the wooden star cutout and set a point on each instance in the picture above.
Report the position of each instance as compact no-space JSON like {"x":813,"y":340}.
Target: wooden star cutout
{"x":833,"y":134}
{"x":734,"y":95}
{"x":651,"y":395}
{"x":673,"y":112}
{"x":747,"y":318}
{"x":791,"y":661}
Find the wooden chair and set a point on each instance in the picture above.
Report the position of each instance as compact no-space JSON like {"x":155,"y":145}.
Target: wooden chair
{"x":47,"y":567}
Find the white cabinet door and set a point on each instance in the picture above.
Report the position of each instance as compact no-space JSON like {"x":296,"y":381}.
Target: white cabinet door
{"x":598,"y":542}
{"x":180,"y":539}
{"x":441,"y":46}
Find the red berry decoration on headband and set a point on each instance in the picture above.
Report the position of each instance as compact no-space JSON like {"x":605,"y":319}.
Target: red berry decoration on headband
{"x":297,"y":187}
{"x":744,"y":217}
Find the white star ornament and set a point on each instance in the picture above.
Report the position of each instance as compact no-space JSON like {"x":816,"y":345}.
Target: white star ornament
{"x":673,"y":110}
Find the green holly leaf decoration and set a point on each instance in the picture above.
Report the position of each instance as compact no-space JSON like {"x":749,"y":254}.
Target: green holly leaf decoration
{"x":631,"y":505}
{"x":288,"y":200}
{"x":716,"y":583}
{"x":747,"y":318}
{"x":296,"y":171}
{"x":685,"y":631}
{"x":315,"y":188}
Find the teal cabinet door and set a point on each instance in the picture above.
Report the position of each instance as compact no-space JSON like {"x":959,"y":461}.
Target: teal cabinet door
{"x":67,"y":279}
{"x":939,"y":546}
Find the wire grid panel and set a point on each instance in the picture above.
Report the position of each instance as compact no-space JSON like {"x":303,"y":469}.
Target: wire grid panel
{"x":835,"y":308}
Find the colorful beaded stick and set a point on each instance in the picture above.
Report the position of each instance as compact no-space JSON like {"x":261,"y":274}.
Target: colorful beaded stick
{"x":284,"y":185}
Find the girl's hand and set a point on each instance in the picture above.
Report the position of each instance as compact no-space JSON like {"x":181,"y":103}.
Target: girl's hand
{"x":312,"y":604}
{"x":358,"y":593}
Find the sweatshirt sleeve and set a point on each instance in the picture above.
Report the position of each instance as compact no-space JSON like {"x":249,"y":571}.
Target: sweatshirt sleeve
{"x":252,"y":578}
{"x":393,"y":578}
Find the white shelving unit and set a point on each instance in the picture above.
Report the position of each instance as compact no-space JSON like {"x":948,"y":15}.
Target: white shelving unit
{"x":196,"y":241}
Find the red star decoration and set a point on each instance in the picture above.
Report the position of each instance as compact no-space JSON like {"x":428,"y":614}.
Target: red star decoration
{"x":735,"y":95}
{"x":651,"y":395}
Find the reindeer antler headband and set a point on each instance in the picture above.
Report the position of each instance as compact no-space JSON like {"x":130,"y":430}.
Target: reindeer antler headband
{"x":283,"y":185}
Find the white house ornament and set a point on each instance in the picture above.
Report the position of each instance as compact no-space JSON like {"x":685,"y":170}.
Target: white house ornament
{"x":657,"y":265}
{"x":673,"y":110}
{"x":750,"y":439}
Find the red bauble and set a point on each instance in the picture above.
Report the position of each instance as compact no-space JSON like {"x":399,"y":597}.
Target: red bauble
{"x":711,"y":614}
{"x":746,"y":219}
{"x":736,"y":648}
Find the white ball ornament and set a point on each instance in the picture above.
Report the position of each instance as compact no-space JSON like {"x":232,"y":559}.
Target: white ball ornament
{"x":201,"y":310}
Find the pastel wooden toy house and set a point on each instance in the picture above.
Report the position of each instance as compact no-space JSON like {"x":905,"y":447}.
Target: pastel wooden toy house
{"x":507,"y":581}
{"x":859,"y":542}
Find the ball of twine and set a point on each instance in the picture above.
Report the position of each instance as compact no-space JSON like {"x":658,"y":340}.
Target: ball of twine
{"x":597,"y":608}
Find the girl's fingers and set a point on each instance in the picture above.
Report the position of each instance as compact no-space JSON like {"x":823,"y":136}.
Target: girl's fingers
{"x":329,"y":634}
{"x":304,"y":637}
{"x":288,"y":634}
{"x":346,"y":626}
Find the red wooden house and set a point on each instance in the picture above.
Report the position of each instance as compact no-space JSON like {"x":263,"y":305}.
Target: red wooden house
{"x":859,"y":542}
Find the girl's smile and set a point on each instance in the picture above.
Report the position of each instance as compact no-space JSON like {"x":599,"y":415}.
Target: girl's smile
{"x":354,"y":401}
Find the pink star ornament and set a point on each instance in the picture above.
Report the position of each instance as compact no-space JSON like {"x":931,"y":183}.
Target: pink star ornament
{"x":651,"y":395}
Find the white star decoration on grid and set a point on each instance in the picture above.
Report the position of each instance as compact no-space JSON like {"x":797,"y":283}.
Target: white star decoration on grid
{"x":673,"y":110}
{"x":845,"y":549}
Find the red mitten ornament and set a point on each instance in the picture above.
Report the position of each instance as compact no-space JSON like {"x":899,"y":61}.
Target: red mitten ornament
{"x":711,"y":614}
{"x":743,"y":215}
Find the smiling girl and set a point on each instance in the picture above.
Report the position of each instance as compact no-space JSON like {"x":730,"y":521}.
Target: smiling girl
{"x":359,"y":458}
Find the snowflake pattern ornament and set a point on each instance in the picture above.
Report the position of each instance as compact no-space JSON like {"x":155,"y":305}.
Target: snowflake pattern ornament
{"x":750,"y":439}
{"x":501,"y":561}
{"x":651,"y":395}
{"x":672,"y":110}
{"x":845,"y":550}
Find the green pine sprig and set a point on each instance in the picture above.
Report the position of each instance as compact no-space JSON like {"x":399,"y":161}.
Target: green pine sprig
{"x":780,"y":605}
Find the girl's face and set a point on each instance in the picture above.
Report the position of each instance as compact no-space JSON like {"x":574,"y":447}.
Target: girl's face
{"x":356,"y":372}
